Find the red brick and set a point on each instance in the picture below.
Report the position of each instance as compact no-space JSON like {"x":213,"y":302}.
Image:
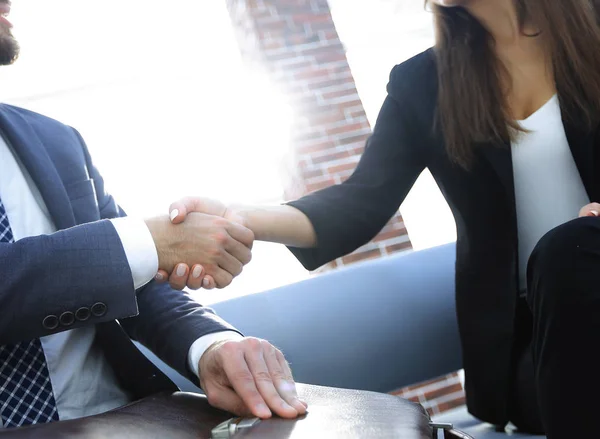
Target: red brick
{"x":399,"y":247}
{"x":443,"y":391}
{"x":330,"y":157}
{"x":342,"y":168}
{"x":326,"y":57}
{"x":326,"y":82}
{"x":328,"y":117}
{"x":311,"y":187}
{"x":316,"y":147}
{"x":312,"y":18}
{"x":449,"y":405}
{"x":353,"y":139}
{"x":394,"y":233}
{"x":313,"y":173}
{"x":313,"y":73}
{"x":346,"y":128}
{"x":350,"y":104}
{"x":362,"y":256}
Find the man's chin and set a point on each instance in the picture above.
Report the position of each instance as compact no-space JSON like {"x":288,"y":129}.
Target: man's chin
{"x":9,"y":48}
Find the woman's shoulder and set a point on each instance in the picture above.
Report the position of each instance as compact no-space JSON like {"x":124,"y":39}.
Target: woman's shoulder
{"x":415,"y":76}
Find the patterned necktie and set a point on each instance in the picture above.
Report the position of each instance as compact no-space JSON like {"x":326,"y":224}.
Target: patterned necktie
{"x":25,"y":389}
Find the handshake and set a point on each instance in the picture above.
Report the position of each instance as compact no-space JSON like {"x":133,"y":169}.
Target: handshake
{"x":202,"y":244}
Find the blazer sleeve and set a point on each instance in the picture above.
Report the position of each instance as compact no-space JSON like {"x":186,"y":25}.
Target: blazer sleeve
{"x":47,"y":279}
{"x":350,"y":214}
{"x":169,"y":321}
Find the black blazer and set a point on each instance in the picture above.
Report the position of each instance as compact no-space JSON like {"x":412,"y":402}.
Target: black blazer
{"x":404,"y":142}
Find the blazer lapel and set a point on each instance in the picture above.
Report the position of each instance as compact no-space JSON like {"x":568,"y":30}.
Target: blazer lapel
{"x":582,"y":144}
{"x":500,"y":158}
{"x":29,"y":148}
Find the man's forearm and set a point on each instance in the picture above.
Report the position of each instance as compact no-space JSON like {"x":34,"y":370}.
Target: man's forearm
{"x":281,"y":224}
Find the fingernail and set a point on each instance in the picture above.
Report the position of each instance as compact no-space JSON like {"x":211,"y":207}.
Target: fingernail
{"x":159,"y":276}
{"x":304,"y":403}
{"x":205,"y":283}
{"x":180,"y":270}
{"x":197,"y":272}
{"x":594,"y":212}
{"x":174,"y":214}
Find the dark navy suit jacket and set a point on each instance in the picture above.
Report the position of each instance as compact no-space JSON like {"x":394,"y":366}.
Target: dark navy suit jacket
{"x":83,"y":266}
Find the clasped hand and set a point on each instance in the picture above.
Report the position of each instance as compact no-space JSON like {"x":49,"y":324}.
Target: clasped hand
{"x":211,"y":245}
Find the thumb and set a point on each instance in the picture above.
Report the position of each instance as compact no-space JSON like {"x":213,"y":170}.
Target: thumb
{"x":180,"y":209}
{"x":592,"y":209}
{"x":177,"y":212}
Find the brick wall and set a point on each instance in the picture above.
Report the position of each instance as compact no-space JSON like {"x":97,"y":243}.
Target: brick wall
{"x":297,"y":45}
{"x":437,"y":396}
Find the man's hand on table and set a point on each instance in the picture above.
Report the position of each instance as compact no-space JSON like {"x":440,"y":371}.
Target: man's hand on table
{"x":249,"y":377}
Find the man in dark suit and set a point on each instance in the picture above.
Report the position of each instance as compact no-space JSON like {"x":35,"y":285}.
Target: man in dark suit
{"x":77,"y":286}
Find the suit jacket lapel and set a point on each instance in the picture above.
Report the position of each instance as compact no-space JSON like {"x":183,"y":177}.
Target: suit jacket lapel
{"x":582,"y":144}
{"x":29,"y":148}
{"x":500,"y":158}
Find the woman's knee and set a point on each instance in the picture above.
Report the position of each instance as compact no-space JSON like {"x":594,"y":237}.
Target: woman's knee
{"x":554,"y":256}
{"x":561,"y":241}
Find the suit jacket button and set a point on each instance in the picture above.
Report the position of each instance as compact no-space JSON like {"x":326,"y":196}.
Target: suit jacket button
{"x":67,"y":318}
{"x":82,"y":314}
{"x":50,"y":322}
{"x":99,"y":309}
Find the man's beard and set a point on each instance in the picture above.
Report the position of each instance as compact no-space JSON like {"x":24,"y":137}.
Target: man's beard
{"x":9,"y":47}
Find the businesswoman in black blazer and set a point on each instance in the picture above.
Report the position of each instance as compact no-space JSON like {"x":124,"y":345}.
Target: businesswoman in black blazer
{"x":504,"y":111}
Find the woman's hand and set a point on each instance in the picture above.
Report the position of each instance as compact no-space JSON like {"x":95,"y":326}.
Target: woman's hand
{"x":592,"y":209}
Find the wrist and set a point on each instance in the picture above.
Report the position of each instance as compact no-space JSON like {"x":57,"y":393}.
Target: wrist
{"x":251,"y":219}
{"x":158,"y":227}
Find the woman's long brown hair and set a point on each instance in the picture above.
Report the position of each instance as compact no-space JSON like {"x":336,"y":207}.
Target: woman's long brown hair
{"x":472,"y":106}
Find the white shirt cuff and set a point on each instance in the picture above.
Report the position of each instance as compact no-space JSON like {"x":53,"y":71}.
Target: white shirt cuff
{"x":139,"y":248}
{"x":203,"y":343}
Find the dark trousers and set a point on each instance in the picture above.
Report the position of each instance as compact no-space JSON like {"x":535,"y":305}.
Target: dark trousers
{"x":563,"y":295}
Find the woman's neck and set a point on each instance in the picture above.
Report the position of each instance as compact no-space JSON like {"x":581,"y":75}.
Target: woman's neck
{"x":500,"y":18}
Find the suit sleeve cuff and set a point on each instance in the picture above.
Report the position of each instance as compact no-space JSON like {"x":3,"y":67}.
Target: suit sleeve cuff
{"x":203,"y":343}
{"x":139,"y":248}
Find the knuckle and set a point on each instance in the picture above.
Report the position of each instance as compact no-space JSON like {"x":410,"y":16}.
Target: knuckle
{"x":221,"y":223}
{"x":213,"y":397}
{"x":267,"y":346}
{"x":230,"y":348}
{"x":238,"y":269}
{"x":279,"y":375}
{"x":221,"y":238}
{"x":264,"y":377}
{"x":216,"y":253}
{"x":244,"y":376}
{"x":254,"y":344}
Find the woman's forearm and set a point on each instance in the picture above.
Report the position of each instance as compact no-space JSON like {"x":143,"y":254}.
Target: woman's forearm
{"x":282,"y":224}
